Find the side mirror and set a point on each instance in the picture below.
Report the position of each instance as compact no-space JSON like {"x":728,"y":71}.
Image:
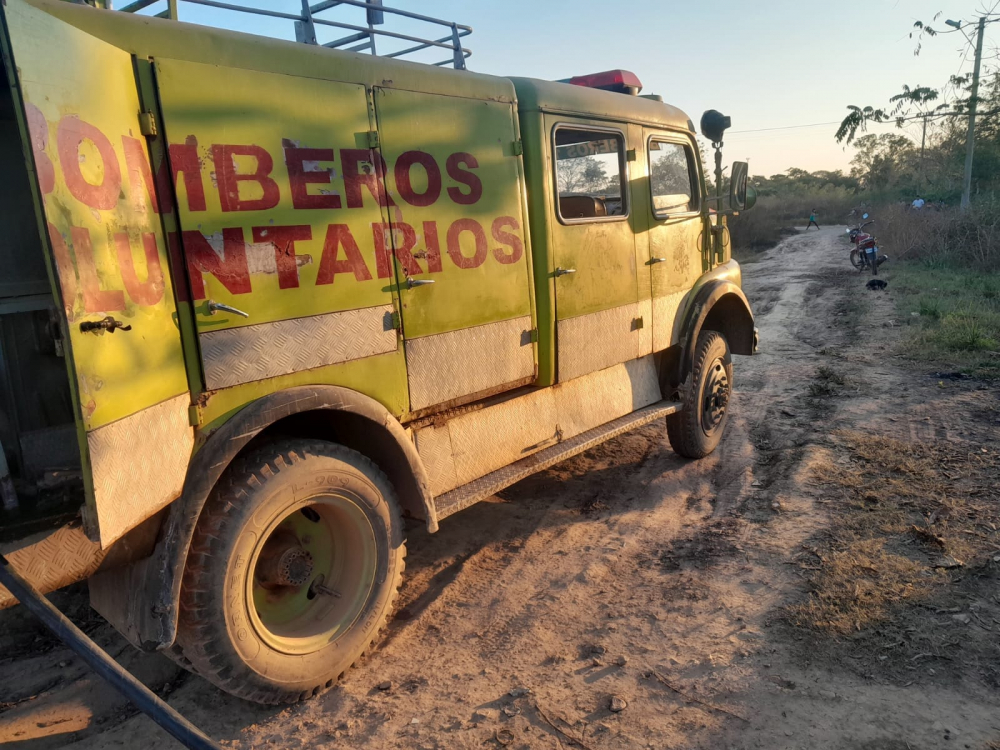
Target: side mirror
{"x":742,"y":195}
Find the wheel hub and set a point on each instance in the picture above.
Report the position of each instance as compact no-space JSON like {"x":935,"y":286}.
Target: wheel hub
{"x":284,"y":563}
{"x":716,"y":399}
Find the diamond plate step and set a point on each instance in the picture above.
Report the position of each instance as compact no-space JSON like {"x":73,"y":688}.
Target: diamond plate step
{"x":471,"y":493}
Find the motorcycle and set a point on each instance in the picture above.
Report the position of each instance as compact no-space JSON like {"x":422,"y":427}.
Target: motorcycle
{"x":865,"y":255}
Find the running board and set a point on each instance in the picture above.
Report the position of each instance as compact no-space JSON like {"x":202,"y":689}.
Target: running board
{"x":479,"y":489}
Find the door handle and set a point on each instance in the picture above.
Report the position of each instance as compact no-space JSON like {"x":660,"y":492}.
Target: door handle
{"x":564,"y":271}
{"x":108,"y":324}
{"x":410,"y":283}
{"x":214,"y":307}
{"x":654,"y":261}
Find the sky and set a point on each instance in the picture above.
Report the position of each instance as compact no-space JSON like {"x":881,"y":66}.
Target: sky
{"x":768,"y":64}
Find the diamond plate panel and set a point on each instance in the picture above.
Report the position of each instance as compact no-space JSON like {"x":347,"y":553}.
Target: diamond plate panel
{"x":139,"y":464}
{"x":592,"y":342}
{"x":449,"y":365}
{"x":471,"y":445}
{"x":434,"y":446}
{"x":473,"y":492}
{"x":499,"y":435}
{"x":608,"y":394}
{"x":59,"y":559}
{"x":243,"y":355}
{"x":666,"y":319}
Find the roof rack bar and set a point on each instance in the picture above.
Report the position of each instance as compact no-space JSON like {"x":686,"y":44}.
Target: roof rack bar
{"x":320,"y":7}
{"x":348,"y":40}
{"x":305,"y":30}
{"x":137,"y":6}
{"x":395,"y":11}
{"x":251,"y":11}
{"x":307,"y":21}
{"x":423,"y":46}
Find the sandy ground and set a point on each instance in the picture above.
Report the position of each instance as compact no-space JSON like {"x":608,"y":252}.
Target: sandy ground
{"x":626,"y":573}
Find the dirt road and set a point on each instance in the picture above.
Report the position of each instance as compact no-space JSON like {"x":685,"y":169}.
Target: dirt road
{"x":683,"y":588}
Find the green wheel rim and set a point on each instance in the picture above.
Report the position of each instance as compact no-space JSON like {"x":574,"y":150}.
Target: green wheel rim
{"x":311,"y":573}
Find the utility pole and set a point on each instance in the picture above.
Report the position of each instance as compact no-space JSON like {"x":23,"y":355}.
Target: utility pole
{"x":970,"y":141}
{"x":923,"y":140}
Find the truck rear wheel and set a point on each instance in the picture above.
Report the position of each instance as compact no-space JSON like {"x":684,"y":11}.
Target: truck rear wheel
{"x":696,"y":430}
{"x":293,"y":571}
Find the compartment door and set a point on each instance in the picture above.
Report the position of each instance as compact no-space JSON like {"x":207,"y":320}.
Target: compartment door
{"x":280,"y":209}
{"x":108,"y":259}
{"x":455,"y":211}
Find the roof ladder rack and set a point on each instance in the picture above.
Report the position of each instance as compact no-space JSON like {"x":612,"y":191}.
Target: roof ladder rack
{"x":361,"y":38}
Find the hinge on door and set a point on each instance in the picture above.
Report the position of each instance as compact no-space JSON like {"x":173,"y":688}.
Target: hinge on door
{"x":373,"y":139}
{"x":147,"y":124}
{"x":630,"y":155}
{"x":194,"y":415}
{"x":518,"y":147}
{"x":396,"y":322}
{"x":533,"y":335}
{"x":637,"y":324}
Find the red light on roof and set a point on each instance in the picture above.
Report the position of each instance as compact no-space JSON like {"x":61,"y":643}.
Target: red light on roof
{"x":621,"y":81}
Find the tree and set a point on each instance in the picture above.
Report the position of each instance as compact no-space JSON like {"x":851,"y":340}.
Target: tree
{"x":581,"y":175}
{"x":881,"y":160}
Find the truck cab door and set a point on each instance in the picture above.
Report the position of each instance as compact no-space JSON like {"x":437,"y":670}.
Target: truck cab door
{"x":672,"y":208}
{"x":599,"y":322}
{"x":79,"y":113}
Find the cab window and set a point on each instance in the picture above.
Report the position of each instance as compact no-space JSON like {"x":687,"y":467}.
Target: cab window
{"x":590,"y":173}
{"x":672,"y":178}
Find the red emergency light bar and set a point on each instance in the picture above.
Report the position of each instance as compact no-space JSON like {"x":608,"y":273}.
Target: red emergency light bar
{"x":619,"y":81}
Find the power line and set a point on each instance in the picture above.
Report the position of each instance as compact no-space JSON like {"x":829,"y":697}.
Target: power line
{"x":786,"y":127}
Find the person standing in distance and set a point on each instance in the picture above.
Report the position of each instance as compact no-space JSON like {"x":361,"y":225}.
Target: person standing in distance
{"x":812,"y":220}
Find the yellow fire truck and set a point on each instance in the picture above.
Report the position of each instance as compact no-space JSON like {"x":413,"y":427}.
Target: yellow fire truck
{"x":260,"y":300}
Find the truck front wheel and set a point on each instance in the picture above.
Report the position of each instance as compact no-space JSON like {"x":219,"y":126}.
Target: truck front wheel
{"x":696,"y":430}
{"x":293,"y":570}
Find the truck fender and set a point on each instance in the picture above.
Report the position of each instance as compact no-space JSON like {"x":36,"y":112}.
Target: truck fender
{"x":150,"y":622}
{"x":719,"y":305}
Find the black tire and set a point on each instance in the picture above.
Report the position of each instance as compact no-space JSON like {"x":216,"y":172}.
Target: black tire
{"x":856,"y":260}
{"x":281,"y":519}
{"x":696,"y":430}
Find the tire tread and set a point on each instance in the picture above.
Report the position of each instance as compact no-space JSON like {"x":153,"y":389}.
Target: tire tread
{"x":197,"y":647}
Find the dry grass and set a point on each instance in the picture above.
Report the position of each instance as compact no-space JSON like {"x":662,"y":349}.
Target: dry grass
{"x":910,"y":514}
{"x":826,"y":383}
{"x":856,"y":587}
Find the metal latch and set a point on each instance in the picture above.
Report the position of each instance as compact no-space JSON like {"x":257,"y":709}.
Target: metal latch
{"x":147,"y":124}
{"x":214,"y":307}
{"x":412,"y":283}
{"x":373,"y":139}
{"x":637,"y":324}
